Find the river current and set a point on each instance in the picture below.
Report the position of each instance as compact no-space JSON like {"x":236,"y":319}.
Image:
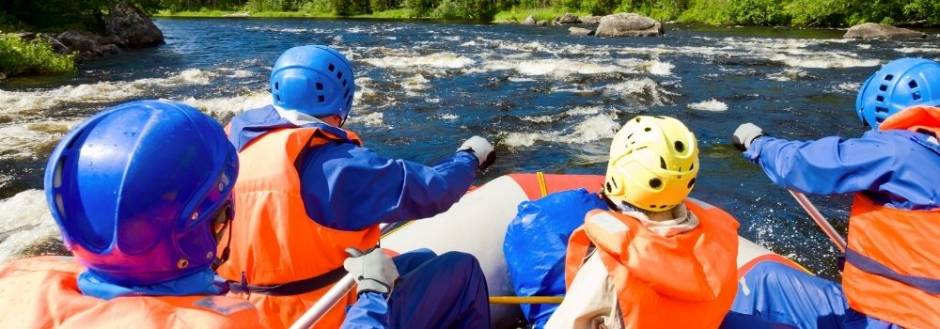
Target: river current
{"x":551,"y":101}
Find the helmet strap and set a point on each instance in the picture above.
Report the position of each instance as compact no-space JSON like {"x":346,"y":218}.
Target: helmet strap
{"x":228,"y":243}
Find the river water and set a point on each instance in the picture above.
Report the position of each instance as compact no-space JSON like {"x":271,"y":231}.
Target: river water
{"x":552,"y":101}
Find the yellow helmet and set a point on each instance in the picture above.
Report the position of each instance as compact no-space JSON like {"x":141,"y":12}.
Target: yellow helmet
{"x":653,"y":164}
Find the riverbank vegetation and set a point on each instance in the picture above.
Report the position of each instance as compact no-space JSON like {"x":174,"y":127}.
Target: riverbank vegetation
{"x":31,"y":57}
{"x":801,"y":13}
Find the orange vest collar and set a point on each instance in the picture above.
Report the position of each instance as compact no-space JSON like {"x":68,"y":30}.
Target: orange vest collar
{"x":915,"y":119}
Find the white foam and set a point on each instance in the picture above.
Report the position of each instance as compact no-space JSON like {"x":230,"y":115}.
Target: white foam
{"x":442,"y":60}
{"x":27,"y":139}
{"x":593,"y":128}
{"x":824,"y":62}
{"x":100,"y":92}
{"x":25,"y":220}
{"x":539,"y":119}
{"x":788,"y":74}
{"x":908,"y":50}
{"x":553,"y":67}
{"x":640,"y":87}
{"x":373,"y":119}
{"x":448,"y":116}
{"x":414,"y":84}
{"x":711,"y":105}
{"x":849,"y":87}
{"x":218,"y":107}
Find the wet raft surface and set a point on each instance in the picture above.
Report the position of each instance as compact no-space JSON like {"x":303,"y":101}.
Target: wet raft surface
{"x":552,"y":100}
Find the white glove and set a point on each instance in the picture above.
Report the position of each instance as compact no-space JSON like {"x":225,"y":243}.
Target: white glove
{"x":745,"y":135}
{"x":481,"y":148}
{"x":373,"y":270}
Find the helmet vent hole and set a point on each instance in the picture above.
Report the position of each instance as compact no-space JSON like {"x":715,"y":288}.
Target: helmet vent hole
{"x":331,"y":67}
{"x":655,"y":183}
{"x":319,"y":86}
{"x":912,"y":84}
{"x":277,"y":97}
{"x":344,"y":82}
{"x":691,"y":182}
{"x":880,"y":98}
{"x":629,"y":136}
{"x":339,"y":75}
{"x":277,"y":85}
{"x":883,"y":87}
{"x":638,"y":119}
{"x":346,"y":94}
{"x":182,"y":263}
{"x":916,"y":95}
{"x":647,"y":129}
{"x":691,"y":167}
{"x":321,"y":99}
{"x":662,"y":163}
{"x":889,"y":77}
{"x":609,"y":189}
{"x":680,"y":147}
{"x":880,"y":109}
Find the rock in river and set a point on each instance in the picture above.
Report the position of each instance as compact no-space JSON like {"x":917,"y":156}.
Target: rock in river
{"x":580,"y":31}
{"x":628,"y":25}
{"x":133,"y":26}
{"x":880,"y":31}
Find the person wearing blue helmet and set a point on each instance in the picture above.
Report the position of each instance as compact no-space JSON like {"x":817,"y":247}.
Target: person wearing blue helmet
{"x":891,"y":272}
{"x":309,"y":190}
{"x":140,"y":192}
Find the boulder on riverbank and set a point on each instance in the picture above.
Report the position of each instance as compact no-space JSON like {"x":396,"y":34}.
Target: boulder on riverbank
{"x":529,"y":21}
{"x":590,"y":19}
{"x":133,"y":27}
{"x":566,"y":19}
{"x":628,"y":25}
{"x":574,"y":30}
{"x":881,"y":31}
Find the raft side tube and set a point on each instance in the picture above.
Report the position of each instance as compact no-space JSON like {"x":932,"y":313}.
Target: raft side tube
{"x":477,"y":225}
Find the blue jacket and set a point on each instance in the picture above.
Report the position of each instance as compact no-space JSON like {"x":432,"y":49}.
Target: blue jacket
{"x":894,"y":167}
{"x":349,"y":187}
{"x":536,"y":244}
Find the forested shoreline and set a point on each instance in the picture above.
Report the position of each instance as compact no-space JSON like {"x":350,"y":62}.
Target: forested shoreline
{"x":35,"y":56}
{"x":86,"y":14}
{"x":796,"y":13}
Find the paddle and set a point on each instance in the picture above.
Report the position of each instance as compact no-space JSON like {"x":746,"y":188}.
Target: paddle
{"x":821,"y":221}
{"x":329,"y":300}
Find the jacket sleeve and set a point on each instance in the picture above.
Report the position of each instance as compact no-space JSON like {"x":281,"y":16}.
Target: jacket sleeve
{"x":826,"y":166}
{"x":348,"y":187}
{"x":369,"y":312}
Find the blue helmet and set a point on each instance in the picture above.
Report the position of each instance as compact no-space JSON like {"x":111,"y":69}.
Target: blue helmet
{"x":136,"y":189}
{"x":900,"y":84}
{"x":315,"y":80}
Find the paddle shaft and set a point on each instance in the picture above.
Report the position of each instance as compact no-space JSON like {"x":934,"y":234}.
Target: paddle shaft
{"x":526,"y":299}
{"x":821,"y":221}
{"x":329,"y":300}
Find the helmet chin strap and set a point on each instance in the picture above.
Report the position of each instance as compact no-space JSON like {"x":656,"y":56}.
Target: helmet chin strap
{"x":229,"y":215}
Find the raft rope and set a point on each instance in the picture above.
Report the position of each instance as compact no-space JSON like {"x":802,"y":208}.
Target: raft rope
{"x":543,"y":187}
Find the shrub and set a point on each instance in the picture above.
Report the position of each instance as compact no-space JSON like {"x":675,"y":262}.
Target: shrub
{"x":33,"y":57}
{"x":465,"y":9}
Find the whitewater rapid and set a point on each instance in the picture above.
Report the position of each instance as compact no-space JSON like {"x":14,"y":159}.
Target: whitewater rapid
{"x":534,"y":95}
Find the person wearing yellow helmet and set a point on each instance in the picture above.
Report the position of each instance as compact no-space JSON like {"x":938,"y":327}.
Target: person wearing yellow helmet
{"x":642,"y":214}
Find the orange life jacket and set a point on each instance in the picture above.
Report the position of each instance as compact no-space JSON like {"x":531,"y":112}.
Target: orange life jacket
{"x":274,"y":243}
{"x":42,"y":292}
{"x":687,"y":280}
{"x":892,"y":269}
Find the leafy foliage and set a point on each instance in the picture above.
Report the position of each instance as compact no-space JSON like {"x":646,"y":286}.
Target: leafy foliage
{"x":32,"y":57}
